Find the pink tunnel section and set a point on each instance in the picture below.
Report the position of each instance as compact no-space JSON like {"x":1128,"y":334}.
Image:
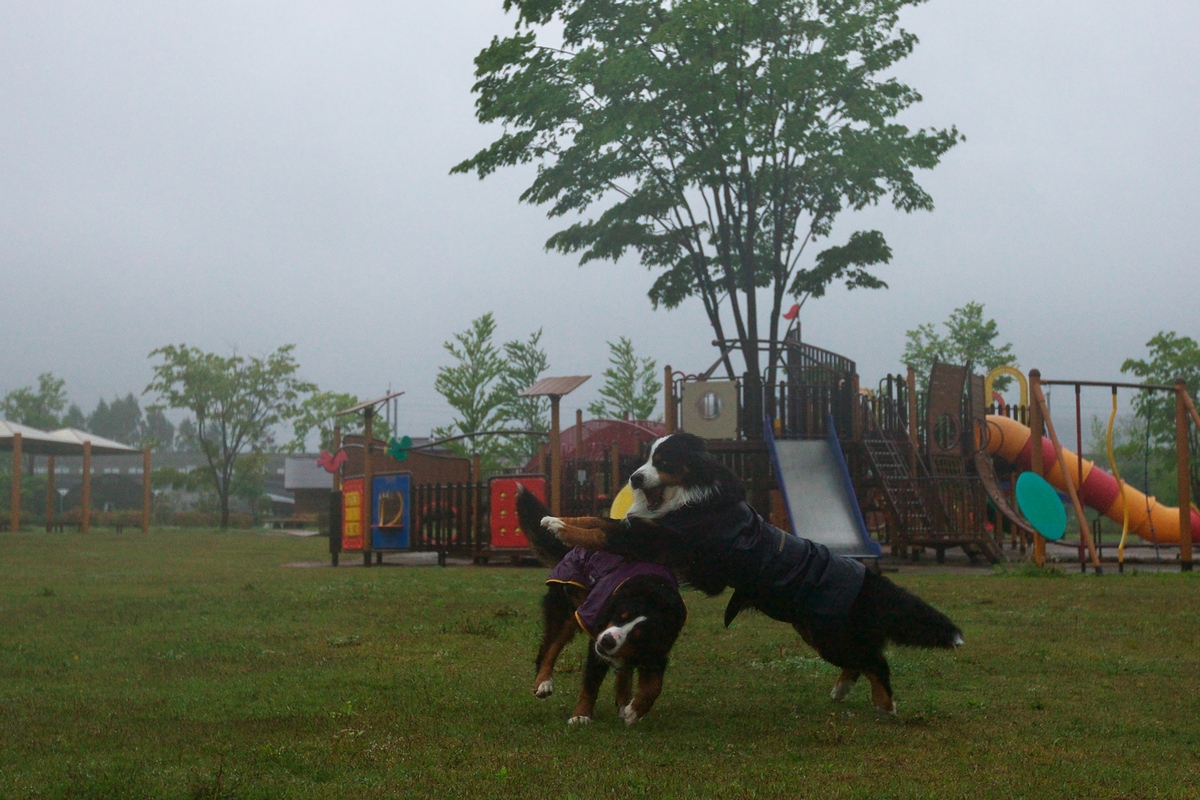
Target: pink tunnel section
{"x":1149,"y":519}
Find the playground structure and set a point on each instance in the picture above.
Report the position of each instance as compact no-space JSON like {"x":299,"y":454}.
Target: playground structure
{"x":853,"y":468}
{"x":1027,"y":449}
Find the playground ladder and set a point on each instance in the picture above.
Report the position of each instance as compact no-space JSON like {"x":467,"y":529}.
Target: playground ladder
{"x":918,"y":509}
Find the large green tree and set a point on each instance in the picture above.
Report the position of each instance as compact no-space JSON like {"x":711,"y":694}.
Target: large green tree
{"x":969,"y":340}
{"x":235,"y":401}
{"x":631,"y":384}
{"x":717,"y":139}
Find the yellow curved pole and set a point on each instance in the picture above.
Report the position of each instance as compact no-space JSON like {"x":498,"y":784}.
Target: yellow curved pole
{"x":1006,"y":370}
{"x":1112,"y":462}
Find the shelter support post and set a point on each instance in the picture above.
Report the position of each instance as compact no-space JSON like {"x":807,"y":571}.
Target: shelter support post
{"x":85,"y":520}
{"x":15,"y":497}
{"x":1185,"y":474}
{"x":146,"y":490}
{"x":49,"y":493}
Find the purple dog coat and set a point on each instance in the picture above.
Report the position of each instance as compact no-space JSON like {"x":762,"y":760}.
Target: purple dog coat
{"x":601,"y":574}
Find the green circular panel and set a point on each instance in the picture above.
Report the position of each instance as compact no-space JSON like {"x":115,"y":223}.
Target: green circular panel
{"x":1041,"y":505}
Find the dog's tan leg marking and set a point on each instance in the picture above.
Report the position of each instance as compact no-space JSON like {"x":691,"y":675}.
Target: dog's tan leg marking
{"x":543,"y":684}
{"x":880,"y":697}
{"x":587,"y":538}
{"x":589,"y":523}
{"x":845,"y":683}
{"x":649,"y":688}
{"x":624,"y":688}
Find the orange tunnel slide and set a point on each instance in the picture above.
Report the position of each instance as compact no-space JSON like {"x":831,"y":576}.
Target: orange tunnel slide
{"x":1149,"y":519}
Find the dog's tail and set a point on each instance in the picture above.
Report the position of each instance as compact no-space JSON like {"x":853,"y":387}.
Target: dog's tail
{"x":907,"y":619}
{"x":545,"y":545}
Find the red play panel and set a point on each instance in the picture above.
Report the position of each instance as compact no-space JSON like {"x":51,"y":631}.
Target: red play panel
{"x":506,"y":530}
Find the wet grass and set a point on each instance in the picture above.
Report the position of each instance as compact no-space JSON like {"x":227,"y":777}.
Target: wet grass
{"x":193,"y":665}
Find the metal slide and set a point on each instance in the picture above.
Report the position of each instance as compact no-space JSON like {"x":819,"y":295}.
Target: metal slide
{"x":819,"y":495}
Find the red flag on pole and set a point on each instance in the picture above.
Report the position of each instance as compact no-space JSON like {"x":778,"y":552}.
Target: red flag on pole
{"x":791,"y":313}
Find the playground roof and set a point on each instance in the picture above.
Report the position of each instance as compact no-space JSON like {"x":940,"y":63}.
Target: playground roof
{"x":100,"y":445}
{"x":65,"y":442}
{"x":36,"y":442}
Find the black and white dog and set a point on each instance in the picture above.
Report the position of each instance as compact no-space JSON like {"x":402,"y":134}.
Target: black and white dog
{"x":631,"y":609}
{"x":689,"y":512}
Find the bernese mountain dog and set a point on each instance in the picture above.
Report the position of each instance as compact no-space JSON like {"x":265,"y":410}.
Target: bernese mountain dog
{"x":690,"y":513}
{"x":631,"y":609}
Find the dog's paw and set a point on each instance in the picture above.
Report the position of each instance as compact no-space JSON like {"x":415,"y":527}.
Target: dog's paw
{"x":840,"y":691}
{"x":553,"y":524}
{"x":544,"y":689}
{"x":628,"y":714}
{"x":579,"y":721}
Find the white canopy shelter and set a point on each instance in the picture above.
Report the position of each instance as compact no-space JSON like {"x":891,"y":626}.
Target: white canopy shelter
{"x":23,"y":440}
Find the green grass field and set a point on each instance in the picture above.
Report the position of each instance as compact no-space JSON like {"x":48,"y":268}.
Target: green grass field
{"x":196,"y":665}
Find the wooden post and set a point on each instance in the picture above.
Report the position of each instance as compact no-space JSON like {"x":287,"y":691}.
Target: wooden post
{"x":910,"y":383}
{"x":669,"y":401}
{"x":578,"y":433}
{"x":555,"y":459}
{"x":1036,"y":464}
{"x":85,"y":519}
{"x":50,"y":504}
{"x":1085,"y":534}
{"x":337,"y":448}
{"x":615,"y":467}
{"x":15,"y":497}
{"x":368,"y":434}
{"x":1079,"y":460}
{"x":1185,"y":475}
{"x":146,"y":495}
{"x":476,"y":468}
{"x":855,"y":410}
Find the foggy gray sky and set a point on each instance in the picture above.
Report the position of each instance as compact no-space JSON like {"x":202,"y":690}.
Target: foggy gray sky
{"x":248,"y":174}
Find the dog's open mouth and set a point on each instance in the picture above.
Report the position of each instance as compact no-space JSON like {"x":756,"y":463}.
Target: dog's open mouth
{"x":654,"y":496}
